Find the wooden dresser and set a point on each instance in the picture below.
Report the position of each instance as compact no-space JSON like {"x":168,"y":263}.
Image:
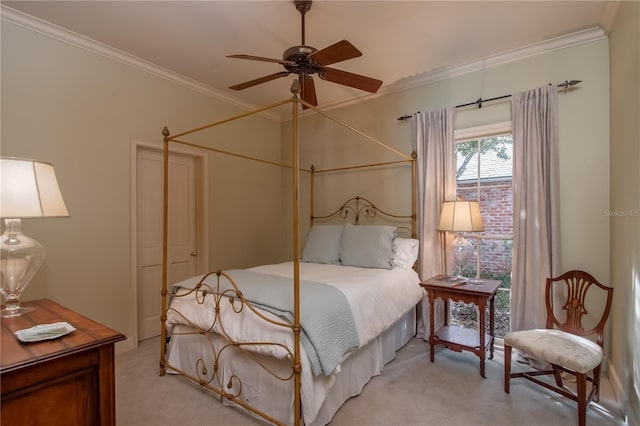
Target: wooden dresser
{"x":65,"y":381}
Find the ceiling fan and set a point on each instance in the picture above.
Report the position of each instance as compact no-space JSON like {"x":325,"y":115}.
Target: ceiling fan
{"x":305,"y":61}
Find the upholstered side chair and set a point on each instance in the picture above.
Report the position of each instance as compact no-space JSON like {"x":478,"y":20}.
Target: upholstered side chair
{"x":566,"y":346}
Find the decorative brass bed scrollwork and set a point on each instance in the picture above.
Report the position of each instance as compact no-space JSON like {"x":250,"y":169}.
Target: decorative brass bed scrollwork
{"x":208,"y":375}
{"x":360,"y":207}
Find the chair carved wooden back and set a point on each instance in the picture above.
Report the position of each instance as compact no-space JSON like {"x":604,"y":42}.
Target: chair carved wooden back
{"x":576,"y":285}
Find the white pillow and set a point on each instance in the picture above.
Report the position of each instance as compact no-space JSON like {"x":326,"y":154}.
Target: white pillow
{"x":405,"y":252}
{"x":323,"y":244}
{"x":367,"y":246}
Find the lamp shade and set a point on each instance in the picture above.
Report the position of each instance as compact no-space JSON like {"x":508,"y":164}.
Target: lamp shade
{"x":29,"y":189}
{"x":461,"y":216}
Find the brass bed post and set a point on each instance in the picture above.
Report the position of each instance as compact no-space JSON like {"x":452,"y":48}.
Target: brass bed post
{"x":296,"y":257}
{"x":165,"y":249}
{"x":414,"y":178}
{"x":311,"y":203}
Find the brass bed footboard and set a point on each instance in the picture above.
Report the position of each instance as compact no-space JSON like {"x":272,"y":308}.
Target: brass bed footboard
{"x":225,"y":296}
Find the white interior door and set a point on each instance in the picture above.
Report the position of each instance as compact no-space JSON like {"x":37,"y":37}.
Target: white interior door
{"x":183,"y":232}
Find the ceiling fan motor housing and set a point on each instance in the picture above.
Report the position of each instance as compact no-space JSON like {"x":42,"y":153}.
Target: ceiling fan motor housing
{"x":297,"y":58}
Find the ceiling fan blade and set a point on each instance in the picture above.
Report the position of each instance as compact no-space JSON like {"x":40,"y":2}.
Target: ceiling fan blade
{"x":260,"y":58}
{"x":350,"y":79}
{"x":337,"y":52}
{"x":308,"y":91}
{"x":260,"y":80}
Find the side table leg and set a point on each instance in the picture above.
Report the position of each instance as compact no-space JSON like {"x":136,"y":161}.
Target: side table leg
{"x":431,"y":326}
{"x":492,"y":324}
{"x":481,"y":329}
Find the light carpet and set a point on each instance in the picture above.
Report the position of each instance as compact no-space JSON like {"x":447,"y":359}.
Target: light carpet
{"x":411,"y":391}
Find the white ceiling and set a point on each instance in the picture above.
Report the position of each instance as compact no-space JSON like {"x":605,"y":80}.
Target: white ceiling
{"x":400,"y":40}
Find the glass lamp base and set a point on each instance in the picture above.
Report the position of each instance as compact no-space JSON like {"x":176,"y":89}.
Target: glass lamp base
{"x":15,"y":312}
{"x":20,"y":258}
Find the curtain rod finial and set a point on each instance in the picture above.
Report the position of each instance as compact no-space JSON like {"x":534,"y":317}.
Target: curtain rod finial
{"x":568,"y":83}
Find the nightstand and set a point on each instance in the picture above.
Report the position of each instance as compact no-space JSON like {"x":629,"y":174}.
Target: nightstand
{"x":65,"y":381}
{"x":459,"y":338}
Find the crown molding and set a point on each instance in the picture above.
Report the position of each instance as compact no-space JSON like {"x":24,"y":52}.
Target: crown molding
{"x":535,"y":49}
{"x":29,"y":22}
{"x":561,"y":42}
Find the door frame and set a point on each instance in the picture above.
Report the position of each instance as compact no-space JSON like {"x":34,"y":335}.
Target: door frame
{"x":202,"y":221}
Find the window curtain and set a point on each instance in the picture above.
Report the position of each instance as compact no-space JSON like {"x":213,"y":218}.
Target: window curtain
{"x":536,"y":233}
{"x":436,"y":174}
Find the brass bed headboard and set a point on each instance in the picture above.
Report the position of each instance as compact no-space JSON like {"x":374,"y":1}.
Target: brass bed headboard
{"x":358,"y":207}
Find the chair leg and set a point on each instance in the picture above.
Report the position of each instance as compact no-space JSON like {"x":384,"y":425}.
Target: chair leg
{"x":581,"y":388}
{"x":507,"y":368}
{"x":596,"y":383}
{"x":557,"y":374}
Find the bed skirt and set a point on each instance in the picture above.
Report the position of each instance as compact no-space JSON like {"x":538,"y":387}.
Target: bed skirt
{"x":320,"y":399}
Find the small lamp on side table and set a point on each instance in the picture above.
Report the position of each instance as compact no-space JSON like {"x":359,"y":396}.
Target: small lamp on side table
{"x":28,"y":189}
{"x":461,"y":216}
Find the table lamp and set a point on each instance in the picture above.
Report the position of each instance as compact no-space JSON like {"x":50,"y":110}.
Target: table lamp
{"x":28,"y":189}
{"x":461,"y":216}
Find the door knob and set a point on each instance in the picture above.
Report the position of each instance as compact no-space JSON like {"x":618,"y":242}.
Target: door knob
{"x":194,"y":253}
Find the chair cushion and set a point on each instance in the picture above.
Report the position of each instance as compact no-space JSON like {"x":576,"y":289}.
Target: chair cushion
{"x":557,"y":347}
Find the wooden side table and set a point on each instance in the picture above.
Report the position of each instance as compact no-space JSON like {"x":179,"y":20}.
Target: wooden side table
{"x":459,"y":338}
{"x":65,"y":381}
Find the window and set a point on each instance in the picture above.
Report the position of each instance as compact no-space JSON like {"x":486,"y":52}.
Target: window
{"x":484,"y":173}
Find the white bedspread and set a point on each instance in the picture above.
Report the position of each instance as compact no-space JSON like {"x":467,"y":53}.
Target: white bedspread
{"x":378,"y":298}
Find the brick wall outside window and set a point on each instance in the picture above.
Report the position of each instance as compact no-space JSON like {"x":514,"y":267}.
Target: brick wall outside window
{"x":497,"y":215}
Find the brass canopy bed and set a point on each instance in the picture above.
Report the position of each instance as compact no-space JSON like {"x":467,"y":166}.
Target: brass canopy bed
{"x":290,"y":342}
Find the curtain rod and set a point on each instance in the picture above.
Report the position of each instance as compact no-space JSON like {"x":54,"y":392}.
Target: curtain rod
{"x":565,"y":84}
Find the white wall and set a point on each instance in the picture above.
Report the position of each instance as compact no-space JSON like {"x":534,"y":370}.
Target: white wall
{"x":81,"y":111}
{"x":625,"y":202}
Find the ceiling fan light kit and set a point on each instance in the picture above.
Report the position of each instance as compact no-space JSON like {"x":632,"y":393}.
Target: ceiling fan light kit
{"x":306,"y":60}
